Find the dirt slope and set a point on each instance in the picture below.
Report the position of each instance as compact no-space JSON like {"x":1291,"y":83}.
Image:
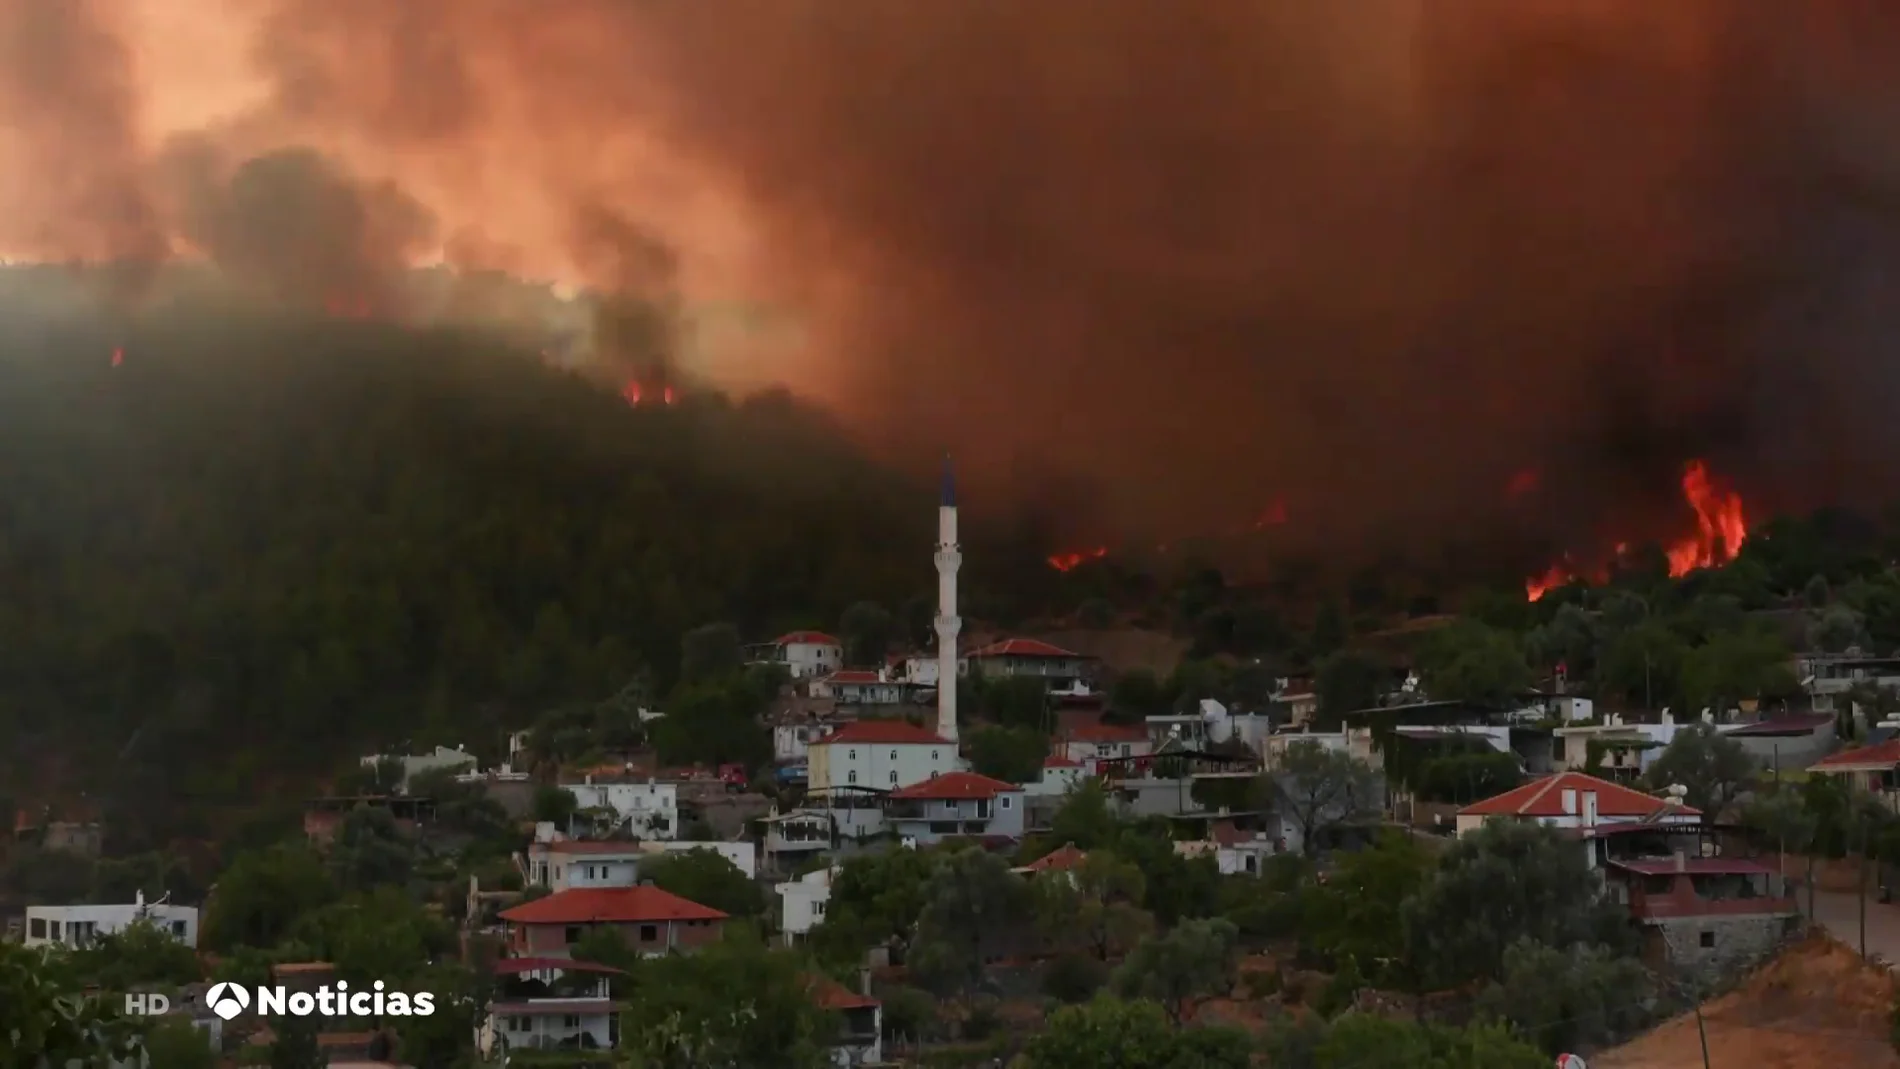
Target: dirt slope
{"x":1816,"y":1007}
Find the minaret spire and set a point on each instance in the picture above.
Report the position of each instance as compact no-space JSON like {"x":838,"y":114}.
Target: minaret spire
{"x":948,"y":624}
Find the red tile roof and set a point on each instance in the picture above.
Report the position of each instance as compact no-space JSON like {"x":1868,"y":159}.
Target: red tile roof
{"x":1876,"y":758}
{"x":1021,"y":647}
{"x":885,"y":733}
{"x":1108,"y":733}
{"x":851,"y":676}
{"x":829,"y":994}
{"x":955,"y":786}
{"x":1695,"y":866}
{"x":1061,"y":859}
{"x":614,"y":905}
{"x":805,"y":638}
{"x":1056,"y":760}
{"x":1544,"y":798}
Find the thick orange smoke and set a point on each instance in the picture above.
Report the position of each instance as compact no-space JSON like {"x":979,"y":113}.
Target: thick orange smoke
{"x":1374,"y":258}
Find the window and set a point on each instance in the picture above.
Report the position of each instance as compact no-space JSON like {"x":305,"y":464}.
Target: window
{"x":893,"y":778}
{"x":1127,"y":750}
{"x":649,"y":932}
{"x":1005,"y":801}
{"x":851,"y":777}
{"x":517,"y":1024}
{"x":573,"y":933}
{"x":178,"y":929}
{"x":893,"y":755}
{"x":817,"y":909}
{"x":36,"y":928}
{"x":1708,"y":939}
{"x":571,"y":1022}
{"x":1104,"y":750}
{"x":851,"y":755}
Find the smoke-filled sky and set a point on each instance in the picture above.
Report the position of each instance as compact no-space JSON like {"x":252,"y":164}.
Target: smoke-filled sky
{"x":1369,"y":259}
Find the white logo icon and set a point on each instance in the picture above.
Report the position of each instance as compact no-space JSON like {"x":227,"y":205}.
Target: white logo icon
{"x":227,"y":1000}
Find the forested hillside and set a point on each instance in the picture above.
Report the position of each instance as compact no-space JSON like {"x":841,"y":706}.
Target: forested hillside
{"x":256,"y":547}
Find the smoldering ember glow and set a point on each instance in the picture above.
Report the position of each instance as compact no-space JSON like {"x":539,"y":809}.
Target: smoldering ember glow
{"x":1374,"y":260}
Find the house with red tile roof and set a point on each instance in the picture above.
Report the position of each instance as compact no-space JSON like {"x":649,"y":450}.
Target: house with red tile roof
{"x":1874,"y":769}
{"x":860,"y":1036}
{"x":651,"y":921}
{"x":1574,"y":800}
{"x":956,"y":804}
{"x":877,"y":755}
{"x":804,"y":654}
{"x":1064,"y":858}
{"x":1060,"y":775}
{"x":1029,"y":657}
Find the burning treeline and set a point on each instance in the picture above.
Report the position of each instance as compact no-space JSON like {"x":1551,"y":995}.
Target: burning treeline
{"x":1377,"y":257}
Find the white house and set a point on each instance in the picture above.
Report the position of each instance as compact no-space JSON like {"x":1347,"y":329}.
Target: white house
{"x":413,"y":765}
{"x":1235,"y":853}
{"x":531,"y":1012}
{"x":77,"y":926}
{"x":791,"y":742}
{"x":1574,"y":800}
{"x":856,"y":686}
{"x":880,"y":755}
{"x":804,"y":654}
{"x":1626,"y":746}
{"x":921,"y":669}
{"x":802,"y":902}
{"x":568,"y":863}
{"x":650,"y":809}
{"x":564,"y":864}
{"x":1060,"y":775}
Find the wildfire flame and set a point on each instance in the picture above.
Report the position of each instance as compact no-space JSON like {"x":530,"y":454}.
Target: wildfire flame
{"x":634,"y":393}
{"x":1721,"y":528}
{"x":1063,"y":562}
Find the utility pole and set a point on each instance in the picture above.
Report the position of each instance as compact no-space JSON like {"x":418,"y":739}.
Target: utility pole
{"x":1860,"y":819}
{"x":1702,"y":1033}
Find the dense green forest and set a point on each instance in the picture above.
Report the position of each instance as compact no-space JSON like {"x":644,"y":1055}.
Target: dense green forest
{"x":247,"y":550}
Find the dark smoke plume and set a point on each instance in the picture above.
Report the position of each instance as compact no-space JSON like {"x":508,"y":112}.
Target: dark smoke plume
{"x":1368,"y":259}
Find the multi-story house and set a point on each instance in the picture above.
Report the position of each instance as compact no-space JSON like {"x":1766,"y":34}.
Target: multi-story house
{"x":651,"y":921}
{"x":956,"y":804}
{"x":646,"y":808}
{"x":879,"y":755}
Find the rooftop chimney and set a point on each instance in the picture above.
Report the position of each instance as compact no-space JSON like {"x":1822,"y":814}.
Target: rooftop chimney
{"x":864,"y":980}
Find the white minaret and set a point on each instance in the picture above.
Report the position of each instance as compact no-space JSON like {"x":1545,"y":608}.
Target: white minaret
{"x":948,"y":622}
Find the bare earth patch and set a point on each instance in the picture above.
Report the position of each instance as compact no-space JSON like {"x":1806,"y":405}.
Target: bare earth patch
{"x":1818,"y":1006}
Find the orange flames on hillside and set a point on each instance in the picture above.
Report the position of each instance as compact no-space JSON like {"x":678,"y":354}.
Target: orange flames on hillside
{"x":1063,"y":562}
{"x":1721,"y":528}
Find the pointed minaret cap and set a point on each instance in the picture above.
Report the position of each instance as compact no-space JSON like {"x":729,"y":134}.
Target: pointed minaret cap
{"x":948,"y":498}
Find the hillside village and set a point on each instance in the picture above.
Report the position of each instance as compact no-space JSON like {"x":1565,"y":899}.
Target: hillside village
{"x":995,"y":846}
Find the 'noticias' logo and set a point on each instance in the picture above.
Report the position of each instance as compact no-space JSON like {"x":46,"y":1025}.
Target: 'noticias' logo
{"x":227,"y":1000}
